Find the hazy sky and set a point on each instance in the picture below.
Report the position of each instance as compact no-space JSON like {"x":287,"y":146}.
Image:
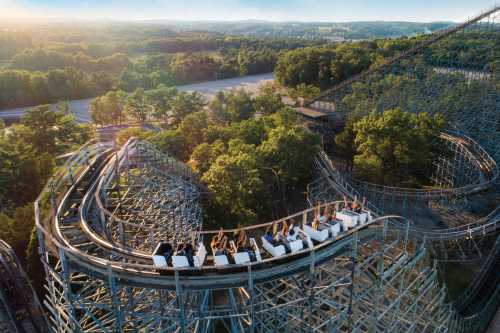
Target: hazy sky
{"x":276,"y":10}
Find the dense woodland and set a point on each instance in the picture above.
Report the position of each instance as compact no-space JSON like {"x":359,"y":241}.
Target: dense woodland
{"x":393,"y":148}
{"x":316,"y":30}
{"x":39,"y":70}
{"x":325,"y":66}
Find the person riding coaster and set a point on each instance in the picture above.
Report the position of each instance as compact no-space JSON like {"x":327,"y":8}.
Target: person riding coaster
{"x":185,"y":256}
{"x":280,"y":238}
{"x":242,"y":249}
{"x":219,"y":249}
{"x":240,"y":252}
{"x":289,"y":236}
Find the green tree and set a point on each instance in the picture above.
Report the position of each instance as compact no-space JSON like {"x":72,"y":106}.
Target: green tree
{"x":217,"y":109}
{"x":350,"y":59}
{"x":192,"y":128}
{"x":239,"y":105}
{"x":109,"y":108}
{"x":184,"y":104}
{"x":137,"y":107}
{"x":24,"y":170}
{"x":16,"y":230}
{"x":173,"y":142}
{"x":290,"y":151}
{"x":51,"y":131}
{"x":269,"y":100}
{"x":234,"y":178}
{"x":396,"y":147}
{"x":251,"y":131}
{"x":161,"y":99}
{"x":310,"y":66}
{"x":114,"y":106}
{"x":98,"y":112}
{"x":205,"y":154}
{"x":344,"y":141}
{"x":303,"y":91}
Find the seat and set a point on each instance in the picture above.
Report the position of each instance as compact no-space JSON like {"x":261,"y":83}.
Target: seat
{"x":348,"y":218}
{"x":296,"y":246}
{"x":180,"y":261}
{"x":317,"y":235}
{"x":275,"y":251}
{"x":305,"y":237}
{"x":200,"y":256}
{"x":221,"y":260}
{"x":158,"y":257}
{"x":239,"y":257}
{"x":362,"y":217}
{"x":256,"y":249}
{"x":159,"y":261}
{"x":335,"y":229}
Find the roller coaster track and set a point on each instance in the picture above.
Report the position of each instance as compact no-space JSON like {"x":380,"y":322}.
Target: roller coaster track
{"x":484,"y":167}
{"x":17,"y":298}
{"x":446,"y":244}
{"x":102,"y":214}
{"x":480,"y":227}
{"x":483,"y":295}
{"x":89,"y":252}
{"x":85,"y":252}
{"x":484,"y":292}
{"x":74,"y":232}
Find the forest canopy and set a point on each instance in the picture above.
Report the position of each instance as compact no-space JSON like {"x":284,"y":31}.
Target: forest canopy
{"x":393,"y":148}
{"x":328,"y":65}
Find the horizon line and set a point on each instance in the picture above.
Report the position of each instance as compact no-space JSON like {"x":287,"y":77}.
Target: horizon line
{"x":65,"y":19}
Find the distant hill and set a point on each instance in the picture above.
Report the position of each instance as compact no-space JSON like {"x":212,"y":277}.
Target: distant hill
{"x":313,"y":30}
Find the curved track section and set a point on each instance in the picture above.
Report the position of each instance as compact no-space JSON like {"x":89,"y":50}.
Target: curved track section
{"x":97,"y":284}
{"x":89,"y":251}
{"x":138,"y":176}
{"x":467,"y":170}
{"x":333,"y":183}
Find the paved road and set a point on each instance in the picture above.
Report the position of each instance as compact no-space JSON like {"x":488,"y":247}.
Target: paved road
{"x":80,"y":107}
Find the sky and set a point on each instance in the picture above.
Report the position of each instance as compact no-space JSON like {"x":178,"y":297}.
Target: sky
{"x":232,"y":10}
